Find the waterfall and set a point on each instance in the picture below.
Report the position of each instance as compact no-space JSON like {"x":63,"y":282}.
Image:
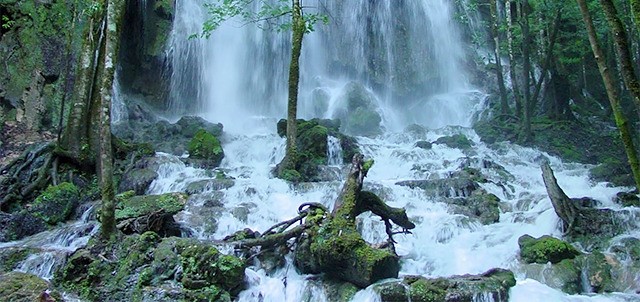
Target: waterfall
{"x":409,"y":54}
{"x":334,"y":151}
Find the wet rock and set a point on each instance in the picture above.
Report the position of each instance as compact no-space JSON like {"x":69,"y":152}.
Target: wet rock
{"x":205,"y":185}
{"x":480,"y":204}
{"x":598,"y":272}
{"x":147,"y":264}
{"x":19,"y":225}
{"x":627,"y":248}
{"x":137,"y":180}
{"x":339,"y":291}
{"x":445,"y":187}
{"x":545,"y":249}
{"x":10,"y":257}
{"x":16,"y":286}
{"x":56,"y":203}
{"x":494,"y":283}
{"x":205,"y":150}
{"x":627,"y":199}
{"x":139,"y":214}
{"x":423,"y":145}
{"x":358,"y":113}
{"x":190,"y":125}
{"x":457,"y":141}
{"x":564,"y":275}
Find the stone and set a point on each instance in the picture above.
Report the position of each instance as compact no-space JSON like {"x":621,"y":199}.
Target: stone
{"x":137,"y":180}
{"x":457,"y":141}
{"x":545,"y":249}
{"x":139,"y":214}
{"x":16,"y":286}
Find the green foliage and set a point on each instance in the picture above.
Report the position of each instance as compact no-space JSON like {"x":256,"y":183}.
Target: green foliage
{"x":264,"y":14}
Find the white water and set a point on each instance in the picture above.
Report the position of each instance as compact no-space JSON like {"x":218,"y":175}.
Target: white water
{"x":51,"y":248}
{"x":238,"y":77}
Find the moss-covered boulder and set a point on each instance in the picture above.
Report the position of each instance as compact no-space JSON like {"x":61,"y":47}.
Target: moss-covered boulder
{"x":628,"y":199}
{"x":565,"y":275}
{"x":205,"y":149}
{"x":144,"y":265}
{"x":494,"y":283}
{"x":56,"y":203}
{"x":424,"y":145}
{"x":139,"y":214}
{"x":599,"y":273}
{"x":22,"y":287}
{"x":458,"y":141}
{"x":480,"y":204}
{"x":545,"y":249}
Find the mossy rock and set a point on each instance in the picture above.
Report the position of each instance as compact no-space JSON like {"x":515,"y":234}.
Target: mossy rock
{"x":627,"y":199}
{"x":56,"y":203}
{"x":201,"y":186}
{"x":129,"y":206}
{"x":10,"y":257}
{"x":457,"y":141}
{"x":424,"y":145}
{"x":495,"y":283}
{"x":144,"y":264}
{"x":206,"y":146}
{"x":545,"y":249}
{"x":137,"y":180}
{"x":364,"y":122}
{"x":22,"y":287}
{"x":19,"y":225}
{"x":598,"y":272}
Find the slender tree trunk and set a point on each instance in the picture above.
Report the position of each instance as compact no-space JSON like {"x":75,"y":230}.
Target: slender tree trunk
{"x":526,"y":53}
{"x":622,"y":48}
{"x":547,"y":61}
{"x":512,"y":59}
{"x":504,"y":105}
{"x":109,"y":48}
{"x":612,"y":93}
{"x":635,"y":9}
{"x":298,"y":30}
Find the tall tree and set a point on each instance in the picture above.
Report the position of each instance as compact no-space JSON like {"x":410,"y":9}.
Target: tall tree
{"x":635,"y":9}
{"x":504,"y":105}
{"x":298,"y":29}
{"x":614,"y":98}
{"x":510,"y":7}
{"x":526,"y":69}
{"x":620,"y":39}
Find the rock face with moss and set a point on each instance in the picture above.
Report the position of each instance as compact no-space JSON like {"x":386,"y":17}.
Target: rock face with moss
{"x":143,"y":267}
{"x":311,"y":143}
{"x":494,"y":283}
{"x":139,"y":214}
{"x":16,"y":286}
{"x":545,"y":249}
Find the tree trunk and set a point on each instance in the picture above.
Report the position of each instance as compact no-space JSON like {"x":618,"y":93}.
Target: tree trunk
{"x":512,"y":59}
{"x":612,"y":93}
{"x":526,"y":54}
{"x":547,"y":61}
{"x":298,"y":30}
{"x":109,"y":47}
{"x":562,"y":204}
{"x":635,"y":9}
{"x":504,"y":105}
{"x":622,"y":48}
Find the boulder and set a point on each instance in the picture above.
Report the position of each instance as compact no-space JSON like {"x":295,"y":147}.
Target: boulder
{"x":10,"y":257}
{"x":22,"y":287}
{"x":424,"y":145}
{"x":205,"y":150}
{"x":457,"y":141}
{"x":147,"y":265}
{"x":139,"y":214}
{"x":467,"y":288}
{"x":545,"y":249}
{"x":56,"y":203}
{"x":627,"y":199}
{"x":358,"y":112}
{"x":204,"y":185}
{"x":19,"y":225}
{"x":137,"y":180}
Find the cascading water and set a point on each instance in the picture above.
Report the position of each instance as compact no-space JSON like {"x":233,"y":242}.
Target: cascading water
{"x":409,"y":56}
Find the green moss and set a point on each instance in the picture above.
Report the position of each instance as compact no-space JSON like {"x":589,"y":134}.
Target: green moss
{"x":205,"y":145}
{"x":10,"y":257}
{"x":458,"y":141}
{"x":56,"y":203}
{"x":129,"y":206}
{"x":545,"y":249}
{"x":15,"y":286}
{"x":428,"y":290}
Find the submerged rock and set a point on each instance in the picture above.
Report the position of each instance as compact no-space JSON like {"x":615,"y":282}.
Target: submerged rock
{"x":467,"y":288}
{"x":457,"y":141}
{"x":545,"y":249}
